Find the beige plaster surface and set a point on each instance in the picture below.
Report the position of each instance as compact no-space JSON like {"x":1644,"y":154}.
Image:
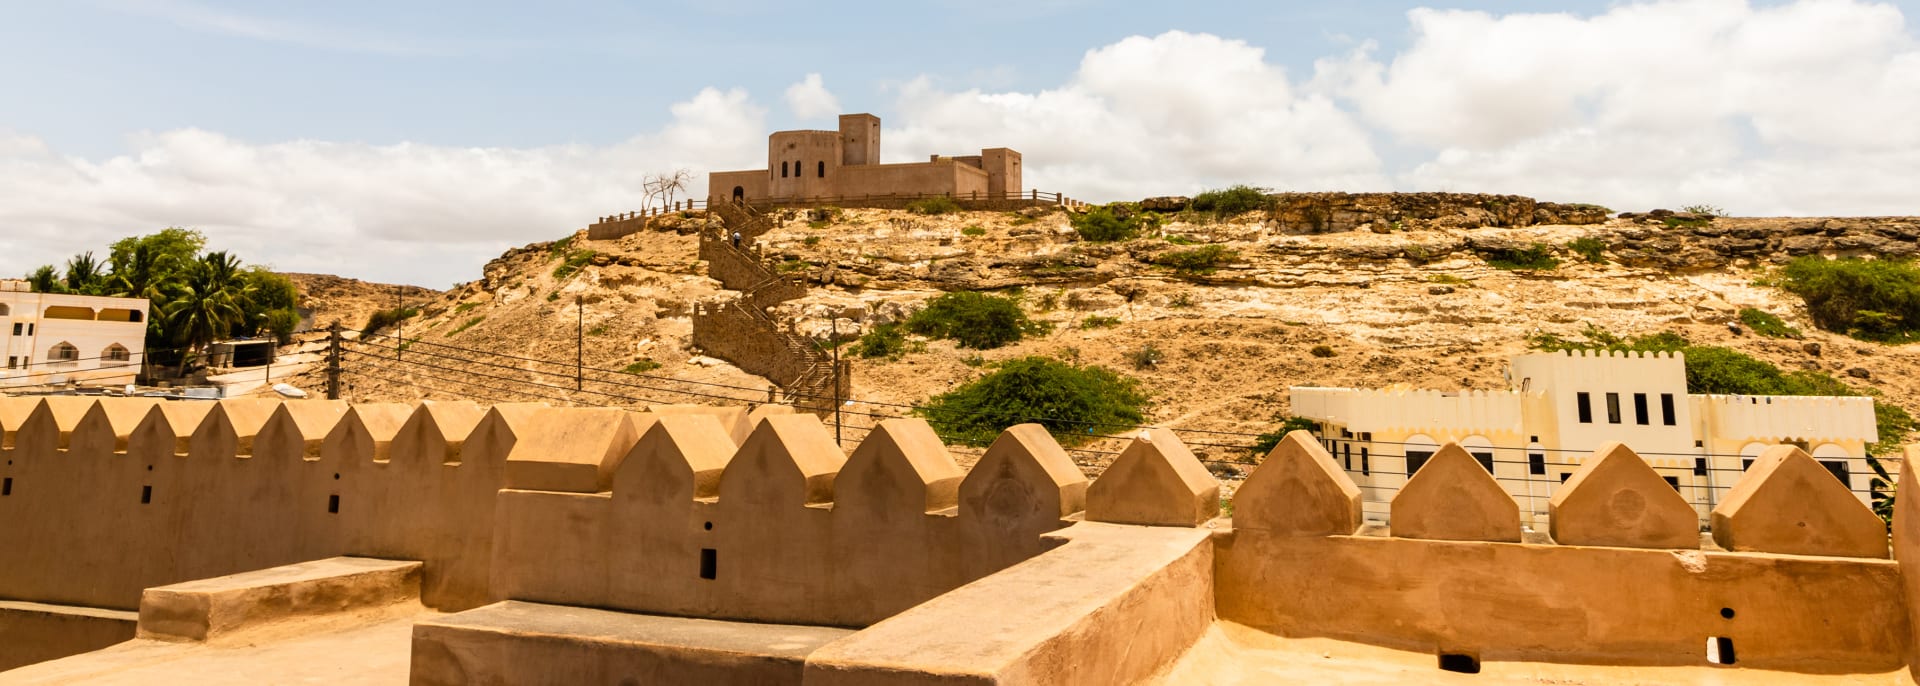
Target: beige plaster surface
{"x":207,"y":609}
{"x":107,"y":428}
{"x":367,"y":431}
{"x":1298,"y":490}
{"x":1113,"y":605}
{"x":1616,"y":499}
{"x":1788,"y":503}
{"x":527,"y":643}
{"x":1232,"y":654}
{"x":37,"y":632}
{"x":1511,"y":601}
{"x":1156,"y":481}
{"x":321,"y":650}
{"x":13,"y":412}
{"x":1453,"y":498}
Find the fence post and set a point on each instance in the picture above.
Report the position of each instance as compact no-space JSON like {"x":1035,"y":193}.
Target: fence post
{"x":579,"y":342}
{"x":333,"y":361}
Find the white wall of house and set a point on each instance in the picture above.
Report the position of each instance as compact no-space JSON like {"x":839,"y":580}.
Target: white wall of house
{"x":52,"y":340}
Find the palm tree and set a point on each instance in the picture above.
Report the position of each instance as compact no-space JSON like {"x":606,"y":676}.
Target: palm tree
{"x":84,"y":274}
{"x":147,"y":273}
{"x":208,"y":304}
{"x":46,"y":280}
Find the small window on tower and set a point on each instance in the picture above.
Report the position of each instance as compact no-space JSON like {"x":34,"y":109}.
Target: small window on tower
{"x":783,"y":170}
{"x":823,"y":169}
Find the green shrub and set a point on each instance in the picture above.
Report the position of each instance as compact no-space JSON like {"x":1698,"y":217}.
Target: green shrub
{"x":1321,"y":351}
{"x":575,"y":260}
{"x":560,"y":248}
{"x":935,"y":205}
{"x":468,"y":325}
{"x":1177,"y":239}
{"x":974,"y":360}
{"x":1075,"y":403}
{"x":887,"y":341}
{"x":600,"y":330}
{"x":1117,"y":221}
{"x":975,"y":230}
{"x":1264,"y":443}
{"x":641,"y":367}
{"x":811,"y":241}
{"x":1766,"y":324}
{"x":384,"y":318}
{"x":1449,"y":279}
{"x":1181,"y":301}
{"x":1590,"y":249}
{"x":1536,"y":257}
{"x":1705,"y":210}
{"x":1099,"y":322}
{"x":975,"y":320}
{"x":1874,"y":300}
{"x":462,"y":308}
{"x":551,"y":297}
{"x":1147,"y":356}
{"x":1233,"y":200}
{"x":1202,"y":260}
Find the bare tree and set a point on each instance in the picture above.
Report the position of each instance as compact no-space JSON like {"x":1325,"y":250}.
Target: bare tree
{"x":664,"y":186}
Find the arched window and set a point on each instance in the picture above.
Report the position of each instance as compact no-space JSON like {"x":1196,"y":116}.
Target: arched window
{"x":116,"y":353}
{"x":64,"y":352}
{"x":783,"y":170}
{"x":1418,"y":448}
{"x":4,"y":310}
{"x":739,"y":193}
{"x":823,"y":169}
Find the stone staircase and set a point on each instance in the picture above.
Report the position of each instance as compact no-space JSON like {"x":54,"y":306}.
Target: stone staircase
{"x":740,"y":331}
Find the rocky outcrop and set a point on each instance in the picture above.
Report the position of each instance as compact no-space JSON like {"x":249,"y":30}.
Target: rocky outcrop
{"x":1692,"y":245}
{"x":1312,"y":213}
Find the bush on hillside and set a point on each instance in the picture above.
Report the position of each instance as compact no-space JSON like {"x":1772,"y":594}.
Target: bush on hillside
{"x":1076,"y":403}
{"x":384,"y":318}
{"x":888,"y":341}
{"x":1233,"y":200}
{"x":1590,"y":249}
{"x":1198,"y":261}
{"x":939,"y":204}
{"x":1874,"y":300}
{"x":975,"y":320}
{"x":1536,"y":257}
{"x":1766,"y":324}
{"x":1113,"y":222}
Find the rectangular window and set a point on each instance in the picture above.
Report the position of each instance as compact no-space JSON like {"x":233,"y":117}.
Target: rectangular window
{"x":1839,"y":470}
{"x":1417,"y":459}
{"x":29,"y":328}
{"x":1347,"y":452}
{"x":1585,"y":402}
{"x":1699,"y":466}
{"x":1537,"y":463}
{"x":17,"y":327}
{"x":1366,"y":463}
{"x":1485,"y":459}
{"x":1613,"y":408}
{"x":1366,"y":436}
{"x":709,"y":563}
{"x":13,"y":362}
{"x":1673,"y":481}
{"x":1640,"y":409}
{"x":1666,"y":409}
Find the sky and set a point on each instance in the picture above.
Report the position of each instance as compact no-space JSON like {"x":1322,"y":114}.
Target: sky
{"x":411,"y":141}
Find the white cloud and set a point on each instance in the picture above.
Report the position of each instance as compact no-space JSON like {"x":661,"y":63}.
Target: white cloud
{"x":1173,"y":113}
{"x":810,"y":99}
{"x":1803,"y":108}
{"x":408,"y":213}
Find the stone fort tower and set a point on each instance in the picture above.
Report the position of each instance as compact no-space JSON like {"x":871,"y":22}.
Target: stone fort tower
{"x":822,"y":165}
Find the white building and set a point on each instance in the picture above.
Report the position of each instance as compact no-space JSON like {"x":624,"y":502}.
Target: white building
{"x":51,"y":340}
{"x":1562,"y":406}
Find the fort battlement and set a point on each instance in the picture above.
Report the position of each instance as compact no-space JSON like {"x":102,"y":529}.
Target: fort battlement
{"x":726,"y":514}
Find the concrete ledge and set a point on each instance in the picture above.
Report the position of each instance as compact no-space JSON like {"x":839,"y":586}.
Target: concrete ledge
{"x":515,"y":642}
{"x":1113,"y":606}
{"x":206,"y":608}
{"x":37,"y":632}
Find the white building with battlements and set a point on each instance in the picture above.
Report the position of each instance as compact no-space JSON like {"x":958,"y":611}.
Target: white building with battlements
{"x":1562,"y":406}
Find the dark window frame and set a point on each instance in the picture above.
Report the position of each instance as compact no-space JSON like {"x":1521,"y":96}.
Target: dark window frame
{"x":1641,"y":414}
{"x":1584,"y":402}
{"x":1613,"y":408}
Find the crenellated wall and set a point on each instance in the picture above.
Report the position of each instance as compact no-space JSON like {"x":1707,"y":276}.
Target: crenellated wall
{"x":655,"y":512}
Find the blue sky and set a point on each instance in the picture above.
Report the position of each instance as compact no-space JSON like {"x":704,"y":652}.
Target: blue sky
{"x":411,"y":141}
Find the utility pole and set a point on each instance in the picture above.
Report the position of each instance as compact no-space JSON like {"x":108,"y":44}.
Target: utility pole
{"x":333,"y":361}
{"x":836,"y":381}
{"x":400,"y":308}
{"x":579,"y":342}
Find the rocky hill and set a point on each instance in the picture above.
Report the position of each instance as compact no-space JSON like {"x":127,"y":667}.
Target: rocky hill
{"x":1389,"y":289}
